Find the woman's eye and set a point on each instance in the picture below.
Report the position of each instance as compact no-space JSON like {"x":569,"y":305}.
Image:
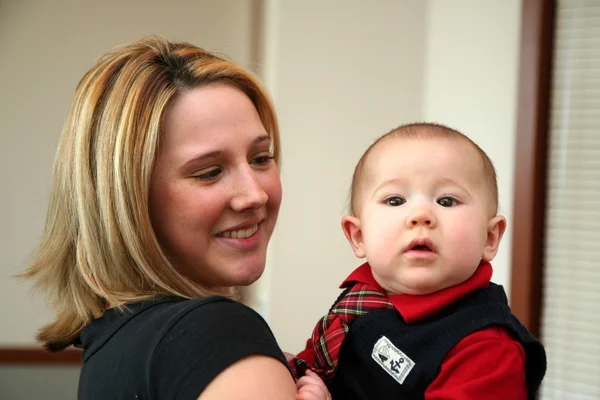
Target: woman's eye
{"x":395,"y":201}
{"x":210,"y":175}
{"x":262,"y":160}
{"x":447,"y":202}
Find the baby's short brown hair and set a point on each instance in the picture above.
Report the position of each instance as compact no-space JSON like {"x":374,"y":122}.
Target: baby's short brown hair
{"x":424,"y":130}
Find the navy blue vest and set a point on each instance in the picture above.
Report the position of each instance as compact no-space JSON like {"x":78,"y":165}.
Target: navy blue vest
{"x":426,"y":343}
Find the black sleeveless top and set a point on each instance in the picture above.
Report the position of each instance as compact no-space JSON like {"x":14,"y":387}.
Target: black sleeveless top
{"x":169,"y":348}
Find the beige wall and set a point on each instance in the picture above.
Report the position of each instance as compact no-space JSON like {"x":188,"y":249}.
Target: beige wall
{"x":342,"y":73}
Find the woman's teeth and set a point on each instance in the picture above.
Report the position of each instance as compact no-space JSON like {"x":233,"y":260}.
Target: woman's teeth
{"x":240,"y":234}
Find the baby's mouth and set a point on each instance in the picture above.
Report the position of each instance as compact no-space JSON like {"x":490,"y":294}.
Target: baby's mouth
{"x":421,"y":248}
{"x":421,"y":245}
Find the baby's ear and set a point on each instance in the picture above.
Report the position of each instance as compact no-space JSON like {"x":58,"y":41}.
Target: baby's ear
{"x":351,"y":228}
{"x":495,"y":230}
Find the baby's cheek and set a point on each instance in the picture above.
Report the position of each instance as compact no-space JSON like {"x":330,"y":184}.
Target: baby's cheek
{"x":466,"y":242}
{"x":383,"y":234}
{"x":380,"y":235}
{"x":459,"y":232}
{"x":382,"y":254}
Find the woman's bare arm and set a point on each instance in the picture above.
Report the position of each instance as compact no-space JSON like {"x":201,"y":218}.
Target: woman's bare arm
{"x":253,"y":377}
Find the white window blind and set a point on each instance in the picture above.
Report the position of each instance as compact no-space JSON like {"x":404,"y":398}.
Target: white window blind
{"x":570,"y":322}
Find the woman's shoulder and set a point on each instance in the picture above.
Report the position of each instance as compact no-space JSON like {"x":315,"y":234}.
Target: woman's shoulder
{"x":206,"y":337}
{"x":207,"y":305}
{"x":172,"y":308}
{"x":207,"y":316}
{"x":197,"y":326}
{"x":215,"y":318}
{"x":157,"y":317}
{"x":173,"y":345}
{"x":218,"y":310}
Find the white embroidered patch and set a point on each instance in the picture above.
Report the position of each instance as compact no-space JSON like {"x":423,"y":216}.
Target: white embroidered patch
{"x":392,"y":360}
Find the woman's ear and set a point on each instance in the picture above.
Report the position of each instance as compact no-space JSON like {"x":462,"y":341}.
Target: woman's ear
{"x":495,"y":231}
{"x":351,"y":228}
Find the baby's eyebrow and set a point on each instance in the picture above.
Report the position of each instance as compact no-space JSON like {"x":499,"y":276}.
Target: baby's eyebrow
{"x":388,"y":182}
{"x":449,"y":181}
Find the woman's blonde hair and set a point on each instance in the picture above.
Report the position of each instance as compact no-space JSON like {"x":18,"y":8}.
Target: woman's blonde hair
{"x":98,"y":248}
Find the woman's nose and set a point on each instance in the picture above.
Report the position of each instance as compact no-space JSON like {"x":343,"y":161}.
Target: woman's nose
{"x":249,"y":193}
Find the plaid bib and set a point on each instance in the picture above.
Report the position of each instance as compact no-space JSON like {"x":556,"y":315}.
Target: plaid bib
{"x":331,"y":330}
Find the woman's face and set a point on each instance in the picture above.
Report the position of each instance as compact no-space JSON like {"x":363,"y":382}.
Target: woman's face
{"x":215,"y":190}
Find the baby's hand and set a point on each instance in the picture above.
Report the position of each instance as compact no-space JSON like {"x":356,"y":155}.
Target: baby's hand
{"x":311,"y":387}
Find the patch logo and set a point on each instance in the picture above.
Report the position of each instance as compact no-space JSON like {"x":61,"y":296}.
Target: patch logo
{"x":392,"y":360}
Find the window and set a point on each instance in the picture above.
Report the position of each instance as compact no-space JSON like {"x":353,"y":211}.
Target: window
{"x":570,"y":314}
{"x":555,"y":280}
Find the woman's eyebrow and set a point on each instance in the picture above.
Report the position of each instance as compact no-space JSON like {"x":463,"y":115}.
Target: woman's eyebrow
{"x":219,"y":153}
{"x":262,"y":138}
{"x":203,"y":156}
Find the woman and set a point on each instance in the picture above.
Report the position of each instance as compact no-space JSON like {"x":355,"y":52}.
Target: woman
{"x":165,"y":194}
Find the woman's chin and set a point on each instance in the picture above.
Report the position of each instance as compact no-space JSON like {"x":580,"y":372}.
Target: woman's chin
{"x":248,"y":277}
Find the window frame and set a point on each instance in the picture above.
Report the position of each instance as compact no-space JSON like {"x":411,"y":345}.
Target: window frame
{"x":531,"y":152}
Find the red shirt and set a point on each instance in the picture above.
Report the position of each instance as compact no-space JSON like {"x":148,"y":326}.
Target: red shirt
{"x":488,"y":364}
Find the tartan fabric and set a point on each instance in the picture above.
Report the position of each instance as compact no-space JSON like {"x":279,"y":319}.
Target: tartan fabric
{"x":331,"y":330}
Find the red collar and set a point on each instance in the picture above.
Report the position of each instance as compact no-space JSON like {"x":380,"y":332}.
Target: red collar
{"x":417,"y":307}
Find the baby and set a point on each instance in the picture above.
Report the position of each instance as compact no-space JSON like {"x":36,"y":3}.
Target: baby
{"x":421,"y":319}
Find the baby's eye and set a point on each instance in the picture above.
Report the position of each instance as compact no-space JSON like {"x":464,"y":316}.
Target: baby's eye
{"x":262,"y":160}
{"x":447,"y":202}
{"x":395,"y":201}
{"x":210,"y":175}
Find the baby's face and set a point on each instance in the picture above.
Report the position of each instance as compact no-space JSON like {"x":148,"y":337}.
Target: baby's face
{"x":425,"y":212}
